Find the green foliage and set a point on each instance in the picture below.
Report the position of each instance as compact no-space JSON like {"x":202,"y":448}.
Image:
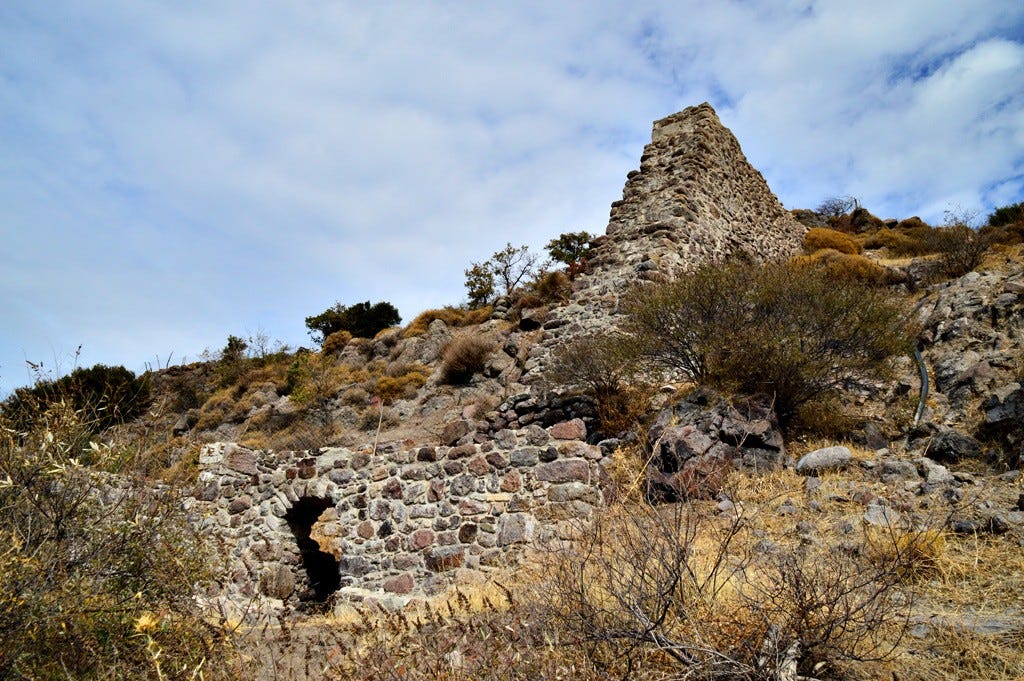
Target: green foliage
{"x":795,"y":333}
{"x":107,"y":394}
{"x":362,"y":320}
{"x":569,"y":248}
{"x":1007,"y":215}
{"x":503,"y":273}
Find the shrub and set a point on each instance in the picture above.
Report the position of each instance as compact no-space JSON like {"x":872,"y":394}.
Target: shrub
{"x":897,"y":243}
{"x":1007,"y":235}
{"x":107,"y":395}
{"x":570,"y":248}
{"x":464,"y":356}
{"x":97,"y":572}
{"x":403,"y":384}
{"x":795,"y":333}
{"x":504,"y":272}
{"x":362,"y":320}
{"x":452,"y":316}
{"x":1007,"y":215}
{"x":551,"y":287}
{"x":845,"y":266}
{"x":960,"y":249}
{"x":335,"y":342}
{"x":836,"y":206}
{"x":670,"y":584}
{"x":604,"y":366}
{"x":818,"y":238}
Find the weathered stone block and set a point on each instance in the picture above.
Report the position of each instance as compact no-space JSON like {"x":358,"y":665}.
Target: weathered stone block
{"x":420,"y":539}
{"x":564,"y":470}
{"x":442,"y":559}
{"x":400,"y":584}
{"x":574,"y":429}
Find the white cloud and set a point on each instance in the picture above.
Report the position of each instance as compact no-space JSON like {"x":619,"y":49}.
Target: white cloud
{"x":174,"y":173}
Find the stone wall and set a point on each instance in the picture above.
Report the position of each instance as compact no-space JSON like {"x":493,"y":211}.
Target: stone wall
{"x":401,"y":521}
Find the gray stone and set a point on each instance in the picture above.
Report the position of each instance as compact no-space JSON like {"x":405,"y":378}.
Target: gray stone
{"x":564,"y":470}
{"x":515,"y":528}
{"x":824,"y":459}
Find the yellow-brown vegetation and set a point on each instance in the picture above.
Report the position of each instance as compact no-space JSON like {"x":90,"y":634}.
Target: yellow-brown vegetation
{"x":819,"y":238}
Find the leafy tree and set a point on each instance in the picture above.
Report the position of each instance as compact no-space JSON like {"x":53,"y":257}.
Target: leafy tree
{"x":479,"y":284}
{"x":569,"y":248}
{"x":504,"y":272}
{"x":362,"y":320}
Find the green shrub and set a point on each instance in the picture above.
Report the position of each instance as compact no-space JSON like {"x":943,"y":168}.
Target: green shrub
{"x":464,"y":356}
{"x":570,"y":248}
{"x":107,"y":395}
{"x":795,"y":333}
{"x":503,"y":273}
{"x":362,"y":320}
{"x":1007,"y":215}
{"x":819,"y":238}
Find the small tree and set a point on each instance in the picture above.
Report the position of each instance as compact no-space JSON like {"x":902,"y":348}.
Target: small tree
{"x":569,"y":248}
{"x":837,"y":206}
{"x":362,"y":320}
{"x":505,"y":271}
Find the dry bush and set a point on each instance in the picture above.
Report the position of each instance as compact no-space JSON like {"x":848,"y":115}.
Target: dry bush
{"x":670,"y":592}
{"x":378,"y":416}
{"x":98,"y":570}
{"x":464,"y":356}
{"x":819,"y":238}
{"x":453,"y":317}
{"x":845,"y":266}
{"x":335,"y":342}
{"x":794,"y":333}
{"x":552,"y":287}
{"x":899,"y":243}
{"x":960,"y":249}
{"x":402,"y":382}
{"x":1007,"y":235}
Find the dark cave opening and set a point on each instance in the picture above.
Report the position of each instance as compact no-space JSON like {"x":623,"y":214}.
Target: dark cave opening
{"x":322,"y":572}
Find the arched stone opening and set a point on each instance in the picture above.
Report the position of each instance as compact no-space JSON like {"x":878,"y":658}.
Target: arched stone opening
{"x":321,"y":568}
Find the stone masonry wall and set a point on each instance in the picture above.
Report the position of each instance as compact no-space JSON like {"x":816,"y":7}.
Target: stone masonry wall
{"x":401,"y":521}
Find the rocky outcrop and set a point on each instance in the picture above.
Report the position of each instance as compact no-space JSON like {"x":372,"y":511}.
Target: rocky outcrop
{"x":702,"y":437}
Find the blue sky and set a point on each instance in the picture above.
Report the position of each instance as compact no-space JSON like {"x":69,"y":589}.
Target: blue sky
{"x":172,"y":173}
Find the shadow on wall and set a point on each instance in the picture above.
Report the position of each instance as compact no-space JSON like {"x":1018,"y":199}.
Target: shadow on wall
{"x":322,"y":573}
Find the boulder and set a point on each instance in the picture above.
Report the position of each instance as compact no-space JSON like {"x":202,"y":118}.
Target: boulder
{"x":824,"y":459}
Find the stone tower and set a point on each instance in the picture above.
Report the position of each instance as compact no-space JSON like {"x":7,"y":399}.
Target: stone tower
{"x":695,"y":199}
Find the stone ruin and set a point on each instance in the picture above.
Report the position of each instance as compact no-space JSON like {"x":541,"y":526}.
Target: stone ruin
{"x":695,"y":200}
{"x":396,"y":523}
{"x":403,"y":521}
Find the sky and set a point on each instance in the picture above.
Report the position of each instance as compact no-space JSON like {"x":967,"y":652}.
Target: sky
{"x":175,"y":172}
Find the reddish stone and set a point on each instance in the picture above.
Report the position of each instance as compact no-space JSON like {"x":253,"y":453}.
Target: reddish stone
{"x":365,"y":529}
{"x":392,"y":489}
{"x":497,"y":460}
{"x":420,"y":539}
{"x":511,"y":482}
{"x":454,"y":431}
{"x":478,"y":466}
{"x":564,"y":470}
{"x":401,"y":584}
{"x":445,"y":558}
{"x":461,"y":452}
{"x":569,"y":430}
{"x":436,"y":490}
